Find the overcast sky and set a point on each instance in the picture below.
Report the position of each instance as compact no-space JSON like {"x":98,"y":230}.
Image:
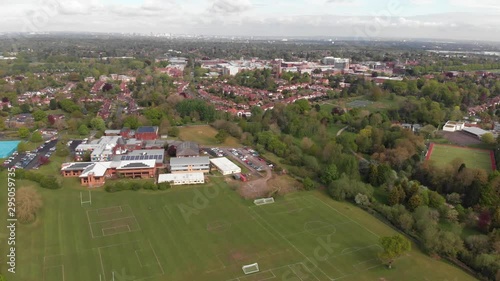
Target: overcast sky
{"x":440,"y":19}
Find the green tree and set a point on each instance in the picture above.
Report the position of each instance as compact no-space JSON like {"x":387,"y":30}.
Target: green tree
{"x":435,"y":199}
{"x":173,"y":131}
{"x":61,"y":149}
{"x":23,"y":132}
{"x":53,"y":104}
{"x":39,"y":115}
{"x":83,"y":130}
{"x":22,"y":147}
{"x":97,"y":123}
{"x":331,"y":173}
{"x":131,"y":122}
{"x":36,"y":137}
{"x":309,"y":184}
{"x":488,"y":138}
{"x":394,"y":247}
{"x":221,"y":136}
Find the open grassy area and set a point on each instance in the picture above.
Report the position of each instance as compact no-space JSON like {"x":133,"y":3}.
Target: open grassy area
{"x":204,"y":233}
{"x":363,"y":103}
{"x":443,"y":155}
{"x":205,"y":135}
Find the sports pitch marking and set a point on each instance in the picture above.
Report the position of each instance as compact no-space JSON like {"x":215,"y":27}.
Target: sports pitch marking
{"x":329,"y":261}
{"x":272,"y":271}
{"x":124,"y":223}
{"x":137,"y":256}
{"x":45,"y":267}
{"x":284,"y":239}
{"x":110,"y":212}
{"x":306,"y":197}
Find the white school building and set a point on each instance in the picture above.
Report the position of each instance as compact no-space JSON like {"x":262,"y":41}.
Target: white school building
{"x":225,"y":166}
{"x":182,"y":178}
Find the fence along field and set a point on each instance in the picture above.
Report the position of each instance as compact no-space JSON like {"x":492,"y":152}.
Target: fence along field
{"x":208,"y":233}
{"x":443,"y":155}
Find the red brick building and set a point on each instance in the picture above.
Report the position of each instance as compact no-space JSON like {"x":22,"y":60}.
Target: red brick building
{"x":147,"y":133}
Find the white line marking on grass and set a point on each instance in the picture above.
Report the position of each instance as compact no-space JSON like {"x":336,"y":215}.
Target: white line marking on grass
{"x":284,"y":238}
{"x":357,"y":250}
{"x":336,"y":268}
{"x":161,"y":267}
{"x":129,"y":217}
{"x":116,"y":227}
{"x":291,"y":268}
{"x":102,"y":209}
{"x":137,"y":255}
{"x":318,"y":228}
{"x":90,"y":225}
{"x":62,"y":271}
{"x":218,"y":258}
{"x":102,"y":264}
{"x":343,"y":215}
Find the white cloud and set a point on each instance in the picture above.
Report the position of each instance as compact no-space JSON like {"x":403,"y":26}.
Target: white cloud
{"x":482,"y":4}
{"x":230,"y":6}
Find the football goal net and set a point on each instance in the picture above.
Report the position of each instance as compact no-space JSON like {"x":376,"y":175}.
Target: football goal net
{"x":250,"y":268}
{"x":87,"y":201}
{"x":263,"y":201}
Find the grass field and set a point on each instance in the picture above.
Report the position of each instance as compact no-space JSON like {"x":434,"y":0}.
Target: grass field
{"x":204,"y":233}
{"x":443,"y":155}
{"x":205,"y":135}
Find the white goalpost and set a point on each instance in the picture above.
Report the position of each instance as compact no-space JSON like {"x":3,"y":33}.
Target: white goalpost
{"x":84,"y":202}
{"x":263,"y":201}
{"x":250,"y":268}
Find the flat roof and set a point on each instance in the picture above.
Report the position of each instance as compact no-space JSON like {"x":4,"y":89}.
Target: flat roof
{"x":201,"y":160}
{"x":476,"y":131}
{"x":180,"y":176}
{"x":147,"y":152}
{"x":225,"y":164}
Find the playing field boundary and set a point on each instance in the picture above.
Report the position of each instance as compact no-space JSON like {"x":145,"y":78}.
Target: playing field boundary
{"x":432,"y":145}
{"x":429,"y":151}
{"x":493,"y":161}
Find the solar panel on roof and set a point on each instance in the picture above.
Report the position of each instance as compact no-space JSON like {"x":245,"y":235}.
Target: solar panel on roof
{"x":141,"y":158}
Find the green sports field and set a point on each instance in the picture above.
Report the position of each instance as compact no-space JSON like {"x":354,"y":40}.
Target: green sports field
{"x":443,"y":155}
{"x":205,"y":233}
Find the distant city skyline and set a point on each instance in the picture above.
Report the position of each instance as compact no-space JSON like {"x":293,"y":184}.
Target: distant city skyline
{"x":405,"y":19}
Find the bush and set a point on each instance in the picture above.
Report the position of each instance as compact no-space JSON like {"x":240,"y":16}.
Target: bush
{"x":163,"y":186}
{"x":49,"y":182}
{"x":308,"y":184}
{"x":347,"y":189}
{"x":135,"y":186}
{"x":148,"y":185}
